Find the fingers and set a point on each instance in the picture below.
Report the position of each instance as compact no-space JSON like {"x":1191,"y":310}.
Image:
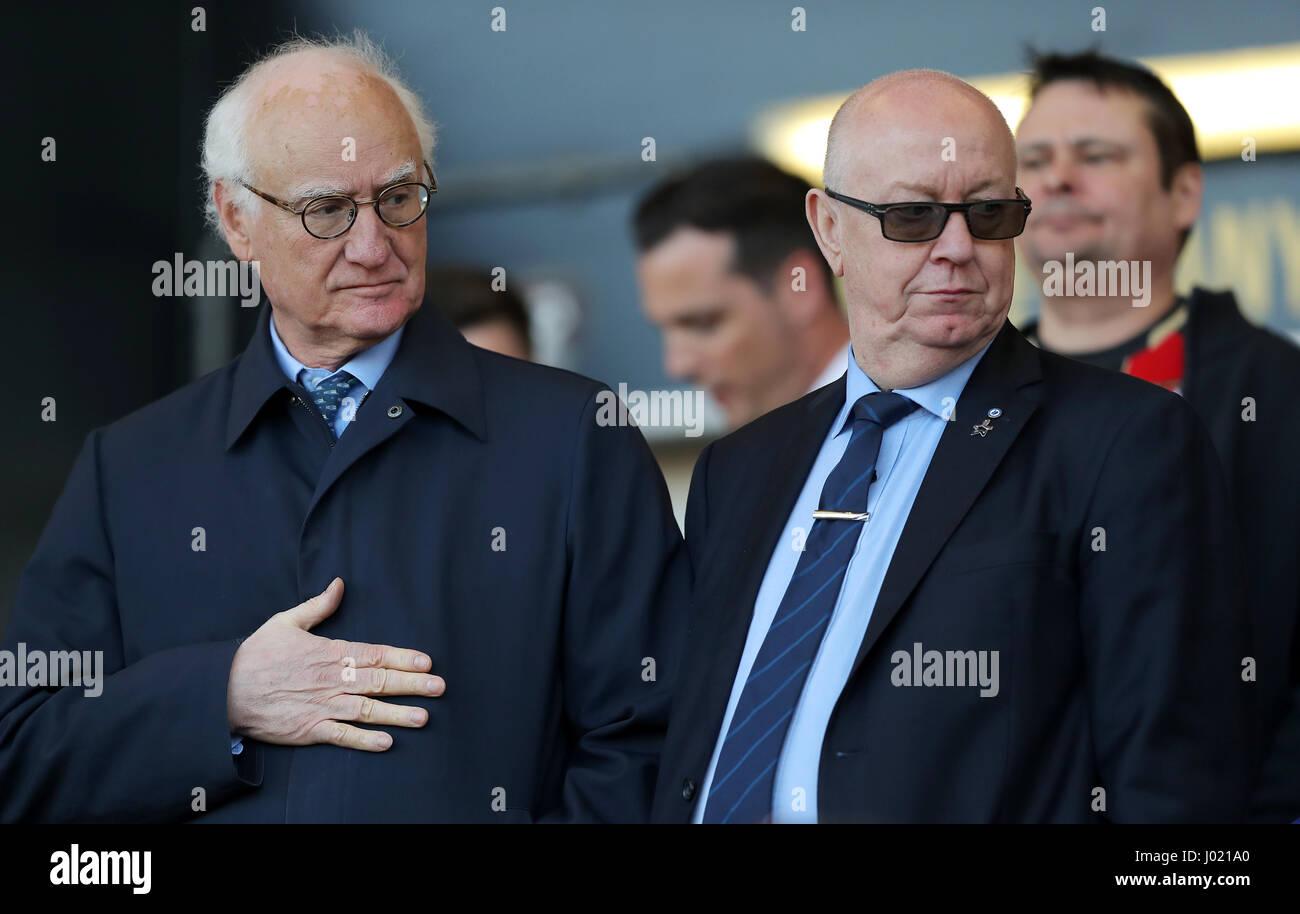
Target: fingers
{"x":383,"y":681}
{"x":312,"y":612}
{"x":346,"y":736}
{"x":366,"y":710}
{"x":380,"y":713}
{"x":374,"y":655}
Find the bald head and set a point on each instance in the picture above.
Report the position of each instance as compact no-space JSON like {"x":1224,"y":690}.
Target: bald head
{"x":312,"y":79}
{"x":322,"y":100}
{"x":917,"y":309}
{"x":914,"y":100}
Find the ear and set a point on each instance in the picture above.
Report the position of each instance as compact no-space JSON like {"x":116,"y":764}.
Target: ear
{"x":801,"y":301}
{"x":1186,"y":188}
{"x":825,"y":224}
{"x":235,"y":223}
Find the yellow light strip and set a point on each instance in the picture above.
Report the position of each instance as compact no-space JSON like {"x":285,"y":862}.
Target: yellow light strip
{"x":1230,"y":95}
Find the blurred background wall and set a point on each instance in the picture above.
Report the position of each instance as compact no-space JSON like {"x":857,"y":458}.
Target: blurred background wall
{"x":539,"y":161}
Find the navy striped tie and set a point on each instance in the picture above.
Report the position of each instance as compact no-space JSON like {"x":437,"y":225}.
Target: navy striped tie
{"x":743,"y":780}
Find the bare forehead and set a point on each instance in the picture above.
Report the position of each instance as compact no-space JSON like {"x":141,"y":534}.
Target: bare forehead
{"x":690,"y":251}
{"x":1077,"y":107}
{"x":925,"y":150}
{"x":306,"y":107}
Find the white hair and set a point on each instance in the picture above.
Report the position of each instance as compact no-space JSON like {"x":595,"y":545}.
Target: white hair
{"x":225,"y":131}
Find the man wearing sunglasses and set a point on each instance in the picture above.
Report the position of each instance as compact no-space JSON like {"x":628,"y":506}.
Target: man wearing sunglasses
{"x":367,"y":572}
{"x":970,"y":581}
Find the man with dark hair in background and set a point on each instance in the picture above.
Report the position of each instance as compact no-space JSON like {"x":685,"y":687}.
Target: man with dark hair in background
{"x":1108,"y":155}
{"x":729,"y":272}
{"x":494,"y":319}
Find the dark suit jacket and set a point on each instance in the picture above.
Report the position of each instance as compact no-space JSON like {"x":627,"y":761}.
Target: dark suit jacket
{"x":550,"y":708}
{"x":1119,"y":669}
{"x":1228,"y":360}
{"x":1242,"y":381}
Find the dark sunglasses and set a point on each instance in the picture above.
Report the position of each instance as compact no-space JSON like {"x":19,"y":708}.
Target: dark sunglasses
{"x":989,"y":220}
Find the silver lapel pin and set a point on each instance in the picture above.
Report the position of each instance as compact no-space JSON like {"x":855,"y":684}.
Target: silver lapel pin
{"x":986,"y":426}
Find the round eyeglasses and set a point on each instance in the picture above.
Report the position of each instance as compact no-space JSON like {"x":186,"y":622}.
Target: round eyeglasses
{"x":988,"y":220}
{"x":330,"y":215}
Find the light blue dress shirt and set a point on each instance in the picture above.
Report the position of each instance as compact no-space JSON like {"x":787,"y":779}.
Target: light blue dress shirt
{"x":905,"y":452}
{"x":367,"y":366}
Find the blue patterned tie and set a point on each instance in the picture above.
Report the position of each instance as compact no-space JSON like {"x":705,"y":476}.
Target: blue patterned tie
{"x":741,"y":791}
{"x":328,"y":391}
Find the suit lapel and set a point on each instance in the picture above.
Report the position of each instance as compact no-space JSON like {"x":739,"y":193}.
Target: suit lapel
{"x":433,"y":366}
{"x":961,"y":467}
{"x":374,"y":424}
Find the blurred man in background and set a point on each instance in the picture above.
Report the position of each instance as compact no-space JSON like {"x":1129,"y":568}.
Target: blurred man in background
{"x":1109,"y":157}
{"x":729,"y":272}
{"x":489,"y":317}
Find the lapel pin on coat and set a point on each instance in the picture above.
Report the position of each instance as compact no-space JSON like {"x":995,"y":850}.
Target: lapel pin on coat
{"x":985,"y":427}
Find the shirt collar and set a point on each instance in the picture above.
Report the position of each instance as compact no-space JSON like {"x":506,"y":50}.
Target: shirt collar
{"x":433,"y":365}
{"x":367,"y":366}
{"x":938,"y":397}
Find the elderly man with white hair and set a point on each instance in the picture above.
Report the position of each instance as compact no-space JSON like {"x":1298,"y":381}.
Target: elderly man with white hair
{"x":366,"y":571}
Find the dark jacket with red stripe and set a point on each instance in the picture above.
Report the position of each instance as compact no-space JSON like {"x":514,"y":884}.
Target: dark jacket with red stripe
{"x":1243,"y":381}
{"x":1233,"y":366}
